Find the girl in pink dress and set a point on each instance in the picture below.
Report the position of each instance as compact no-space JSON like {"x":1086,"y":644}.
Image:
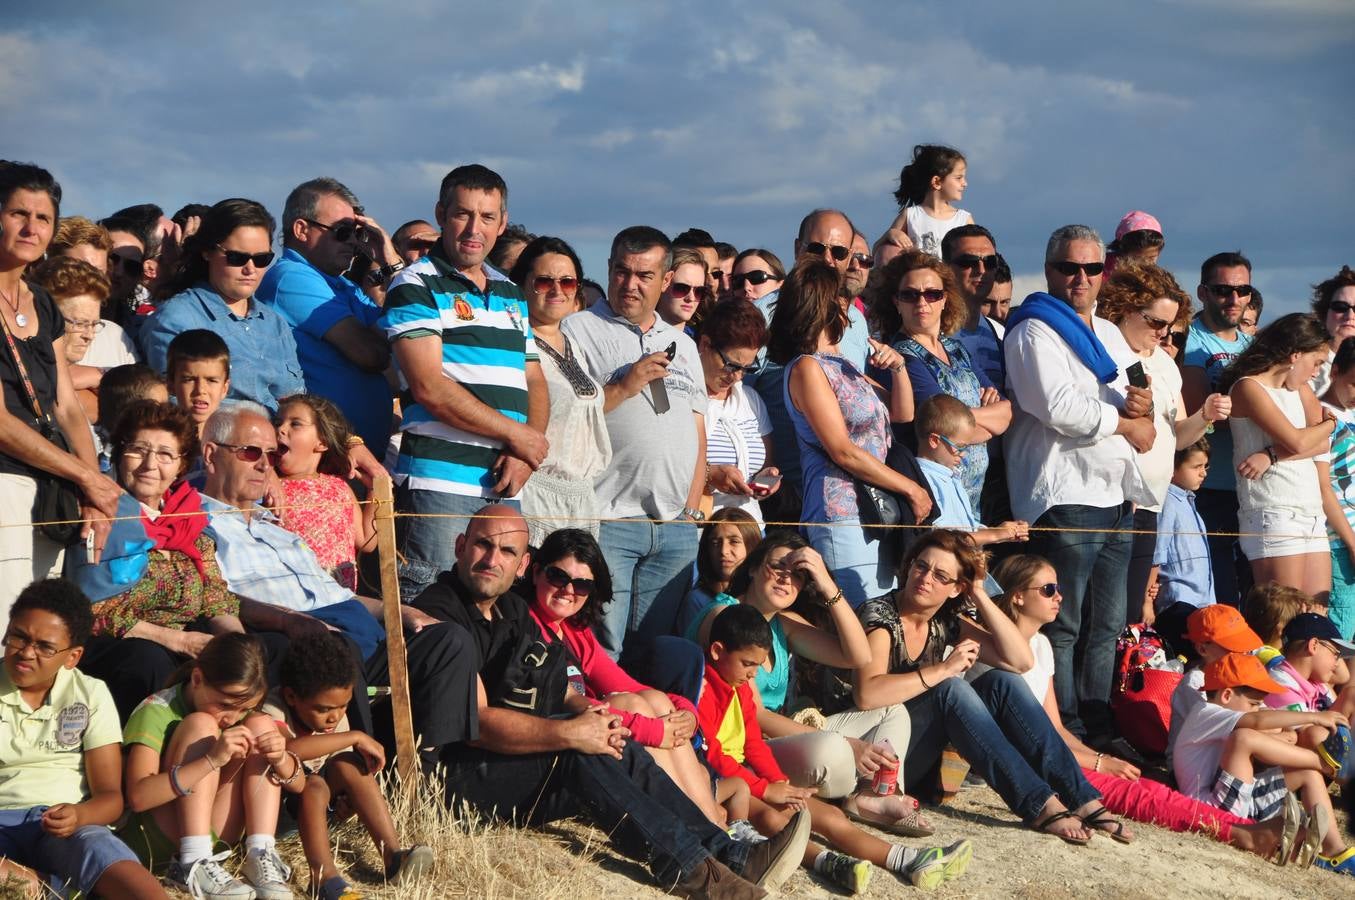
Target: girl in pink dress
{"x":317,"y":502}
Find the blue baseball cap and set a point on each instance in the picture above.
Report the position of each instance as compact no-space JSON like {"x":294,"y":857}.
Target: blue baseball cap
{"x":1306,"y":626}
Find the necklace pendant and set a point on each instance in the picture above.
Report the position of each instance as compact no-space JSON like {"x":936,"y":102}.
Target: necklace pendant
{"x":21,"y":320}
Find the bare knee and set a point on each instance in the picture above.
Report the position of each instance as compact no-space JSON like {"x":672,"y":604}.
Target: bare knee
{"x":658,"y":701}
{"x":630,"y":703}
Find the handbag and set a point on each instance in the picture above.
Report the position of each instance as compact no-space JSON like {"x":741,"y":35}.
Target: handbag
{"x":56,"y":500}
{"x":1141,"y":698}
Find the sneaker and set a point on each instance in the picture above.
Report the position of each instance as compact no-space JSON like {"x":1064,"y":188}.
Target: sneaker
{"x":337,"y":889}
{"x":743,"y":830}
{"x":266,"y":871}
{"x":713,"y":881}
{"x":847,"y":872}
{"x":206,"y":879}
{"x":1343,"y":862}
{"x":773,"y":861}
{"x":935,"y":865}
{"x":410,"y":865}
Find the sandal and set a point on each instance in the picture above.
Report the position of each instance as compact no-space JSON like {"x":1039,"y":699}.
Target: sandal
{"x":1319,"y":823}
{"x":1294,"y":820}
{"x":1101,"y":820}
{"x":910,"y":824}
{"x":1042,"y":827}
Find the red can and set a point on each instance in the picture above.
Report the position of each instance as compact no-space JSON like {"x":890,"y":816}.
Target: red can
{"x":886,"y":777}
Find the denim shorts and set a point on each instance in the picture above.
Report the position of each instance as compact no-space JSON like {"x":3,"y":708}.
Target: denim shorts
{"x":1280,"y":531}
{"x":78,"y":861}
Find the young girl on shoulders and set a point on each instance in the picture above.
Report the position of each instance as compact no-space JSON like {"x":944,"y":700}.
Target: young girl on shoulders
{"x":317,"y":502}
{"x":929,"y":188}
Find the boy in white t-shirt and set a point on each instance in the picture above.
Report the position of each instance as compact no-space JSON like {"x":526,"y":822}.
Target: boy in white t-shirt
{"x":1224,"y":757}
{"x":1214,"y":631}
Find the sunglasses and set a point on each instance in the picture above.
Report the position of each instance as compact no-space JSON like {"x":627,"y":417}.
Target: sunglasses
{"x":250,"y":453}
{"x":559,"y":579}
{"x":815,"y":248}
{"x":236,"y":259}
{"x":1154,"y":322}
{"x":913,"y":295}
{"x":1069,"y":268}
{"x":129,"y":265}
{"x":733,"y":368}
{"x":681,"y":289}
{"x":973,"y":261}
{"x":1341,"y":308}
{"x":543,"y":283}
{"x":863,"y":260}
{"x":1178,"y":339}
{"x":781,"y":572}
{"x":759,"y":276}
{"x":1223,"y":291}
{"x":343,"y":232}
{"x":1045,"y":590}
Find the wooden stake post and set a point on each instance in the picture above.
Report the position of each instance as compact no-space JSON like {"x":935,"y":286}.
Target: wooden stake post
{"x":406,"y":752}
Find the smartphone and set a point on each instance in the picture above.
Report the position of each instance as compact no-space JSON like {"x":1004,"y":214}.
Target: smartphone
{"x":671,"y":351}
{"x":658,"y":391}
{"x":1137,"y":377}
{"x":765,"y":481}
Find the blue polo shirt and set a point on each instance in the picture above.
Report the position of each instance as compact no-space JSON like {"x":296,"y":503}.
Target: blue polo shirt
{"x":1182,"y":554}
{"x":264,"y":366}
{"x":313,"y":303}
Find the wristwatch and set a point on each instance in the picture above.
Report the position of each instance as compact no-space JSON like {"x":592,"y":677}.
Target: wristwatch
{"x":695,"y":515}
{"x":383,"y":274}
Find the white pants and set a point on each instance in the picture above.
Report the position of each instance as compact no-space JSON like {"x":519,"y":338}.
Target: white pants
{"x":824,"y":759}
{"x":25,"y":555}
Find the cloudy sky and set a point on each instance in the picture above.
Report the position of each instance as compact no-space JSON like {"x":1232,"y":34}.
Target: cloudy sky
{"x":1228,"y":119}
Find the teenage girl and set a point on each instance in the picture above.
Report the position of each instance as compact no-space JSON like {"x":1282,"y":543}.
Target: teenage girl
{"x":205,"y":763}
{"x":929,"y":188}
{"x":726,"y":540}
{"x":317,"y":502}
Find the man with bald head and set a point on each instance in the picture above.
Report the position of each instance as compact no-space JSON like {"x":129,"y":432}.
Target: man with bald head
{"x":544,"y":754}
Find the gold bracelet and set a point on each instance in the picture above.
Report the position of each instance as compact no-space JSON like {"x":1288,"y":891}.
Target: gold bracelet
{"x":355,"y":441}
{"x":833,"y":599}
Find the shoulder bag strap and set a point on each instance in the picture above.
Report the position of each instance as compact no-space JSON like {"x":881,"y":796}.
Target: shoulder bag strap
{"x":23,"y":371}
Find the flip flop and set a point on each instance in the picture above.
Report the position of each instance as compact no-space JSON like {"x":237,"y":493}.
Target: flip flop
{"x":1043,"y":828}
{"x":1100,"y":817}
{"x":1319,"y":823}
{"x":1294,"y":819}
{"x":910,"y":824}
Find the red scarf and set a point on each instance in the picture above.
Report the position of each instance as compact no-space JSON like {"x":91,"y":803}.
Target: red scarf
{"x":178,"y":532}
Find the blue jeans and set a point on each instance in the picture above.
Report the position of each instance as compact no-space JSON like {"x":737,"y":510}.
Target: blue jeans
{"x":651,"y":567}
{"x":1091,"y":566}
{"x":78,"y":861}
{"x":863,"y":569}
{"x":1004,"y":734}
{"x":428,"y":546}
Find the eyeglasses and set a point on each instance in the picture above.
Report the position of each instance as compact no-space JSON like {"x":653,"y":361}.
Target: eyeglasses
{"x":815,"y":248}
{"x":1335,"y":651}
{"x":1069,"y":268}
{"x":162,"y":456}
{"x":756,"y":277}
{"x":733,"y":368}
{"x":1223,"y":291}
{"x":543,"y":283}
{"x":1340,"y":307}
{"x":237,"y":258}
{"x":1154,"y":322}
{"x":863,"y":260}
{"x":250,"y":453}
{"x":941,"y":578}
{"x":130,"y":265}
{"x":21,"y":642}
{"x":558,"y":578}
{"x":913,"y":295}
{"x":681,"y":289}
{"x":95,"y":326}
{"x":1045,"y":590}
{"x":957,"y":449}
{"x":343,"y":232}
{"x":973,"y":261}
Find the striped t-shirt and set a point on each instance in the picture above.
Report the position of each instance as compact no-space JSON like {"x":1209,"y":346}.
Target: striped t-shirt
{"x":486,"y":344}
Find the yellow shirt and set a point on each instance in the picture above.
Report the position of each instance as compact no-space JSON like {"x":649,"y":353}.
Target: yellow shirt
{"x":731,"y":733}
{"x":42,"y":751}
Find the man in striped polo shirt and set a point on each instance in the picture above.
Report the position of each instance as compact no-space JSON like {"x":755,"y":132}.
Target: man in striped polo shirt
{"x":471,"y":389}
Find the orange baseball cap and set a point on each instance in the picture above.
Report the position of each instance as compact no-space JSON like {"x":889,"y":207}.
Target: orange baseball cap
{"x":1223,"y":625}
{"x":1239,"y":670}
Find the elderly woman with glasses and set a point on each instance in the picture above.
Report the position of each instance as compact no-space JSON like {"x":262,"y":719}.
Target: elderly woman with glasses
{"x":560,"y":492}
{"x":157,"y":590}
{"x":1145,"y":301}
{"x":79,"y":290}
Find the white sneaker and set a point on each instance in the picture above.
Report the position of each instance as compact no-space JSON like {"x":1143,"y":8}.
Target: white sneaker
{"x":207,"y":880}
{"x":266,"y":871}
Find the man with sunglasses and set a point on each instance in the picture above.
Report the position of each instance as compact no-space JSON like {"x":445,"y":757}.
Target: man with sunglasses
{"x":341,"y":350}
{"x":1077,"y":427}
{"x":1212,"y":343}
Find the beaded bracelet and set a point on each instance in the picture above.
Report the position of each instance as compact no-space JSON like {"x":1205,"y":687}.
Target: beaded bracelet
{"x":277,"y":779}
{"x":178,"y":789}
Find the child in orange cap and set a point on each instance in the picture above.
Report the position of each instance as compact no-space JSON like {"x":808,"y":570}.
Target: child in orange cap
{"x":1224,"y":757}
{"x":1214,"y":631}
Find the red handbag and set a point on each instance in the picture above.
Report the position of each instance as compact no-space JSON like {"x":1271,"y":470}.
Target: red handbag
{"x":1141,"y":698}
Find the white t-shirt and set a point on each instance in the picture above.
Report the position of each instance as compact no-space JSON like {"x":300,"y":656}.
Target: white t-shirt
{"x":926,"y":232}
{"x":1039,"y":675}
{"x":1156,"y":465}
{"x":735,"y":428}
{"x":1199,"y":747}
{"x":1188,"y":696}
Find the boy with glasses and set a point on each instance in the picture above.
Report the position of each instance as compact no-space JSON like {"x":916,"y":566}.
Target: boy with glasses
{"x":1313,"y":649}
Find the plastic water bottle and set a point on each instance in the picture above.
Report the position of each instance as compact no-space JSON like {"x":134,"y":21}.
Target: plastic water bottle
{"x":1177,"y":665}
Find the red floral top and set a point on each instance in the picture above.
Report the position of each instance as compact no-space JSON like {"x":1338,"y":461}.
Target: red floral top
{"x":171,"y":593}
{"x":319,"y":508}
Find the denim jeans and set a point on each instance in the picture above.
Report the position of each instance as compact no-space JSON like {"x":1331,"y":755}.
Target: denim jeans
{"x":863,"y":569}
{"x":999,"y":727}
{"x":1142,"y":546}
{"x":1091,"y":566}
{"x":1232,"y":572}
{"x":428,"y":545}
{"x":651,"y":567}
{"x":668,"y":663}
{"x":631,"y":799}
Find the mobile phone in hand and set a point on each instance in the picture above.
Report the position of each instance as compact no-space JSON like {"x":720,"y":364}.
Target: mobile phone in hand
{"x":764,"y":482}
{"x":1137,"y":377}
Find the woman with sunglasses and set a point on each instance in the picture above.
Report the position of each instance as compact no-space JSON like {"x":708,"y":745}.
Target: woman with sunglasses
{"x":685,"y":301}
{"x":841,"y":757}
{"x":915,"y":301}
{"x":213,"y":288}
{"x":1334,"y":306}
{"x":923,"y":639}
{"x":756,"y":273}
{"x":1145,"y":302}
{"x":570,"y":585}
{"x":560,"y":492}
{"x":153,"y":605}
{"x":739,"y":468}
